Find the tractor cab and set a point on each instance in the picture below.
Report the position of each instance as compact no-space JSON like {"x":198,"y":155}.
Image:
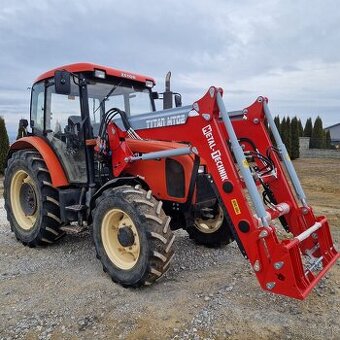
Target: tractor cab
{"x":67,"y":105}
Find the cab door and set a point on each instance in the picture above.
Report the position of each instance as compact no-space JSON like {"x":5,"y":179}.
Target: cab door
{"x":58,"y":117}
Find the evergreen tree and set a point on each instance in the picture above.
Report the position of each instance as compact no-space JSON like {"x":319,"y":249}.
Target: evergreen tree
{"x":277,"y":123}
{"x":300,"y":128}
{"x":295,"y":131}
{"x":286,"y":133}
{"x":328,"y":140}
{"x":4,"y":144}
{"x":318,"y":139}
{"x":307,"y":132}
{"x":283,"y":130}
{"x":289,"y":136}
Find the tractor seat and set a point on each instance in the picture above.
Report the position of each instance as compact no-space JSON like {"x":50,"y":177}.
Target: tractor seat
{"x":73,"y":120}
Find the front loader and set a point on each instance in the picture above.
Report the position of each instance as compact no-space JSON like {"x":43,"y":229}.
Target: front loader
{"x":99,"y":154}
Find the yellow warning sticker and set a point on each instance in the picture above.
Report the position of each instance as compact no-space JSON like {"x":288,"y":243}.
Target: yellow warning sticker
{"x":245,"y":163}
{"x":235,"y":206}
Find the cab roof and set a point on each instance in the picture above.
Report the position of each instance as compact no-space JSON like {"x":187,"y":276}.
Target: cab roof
{"x":88,"y":67}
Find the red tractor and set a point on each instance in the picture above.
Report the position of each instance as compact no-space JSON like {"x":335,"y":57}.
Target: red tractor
{"x":99,"y":154}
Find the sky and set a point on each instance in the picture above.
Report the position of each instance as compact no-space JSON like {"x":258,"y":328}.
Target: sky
{"x":288,"y":51}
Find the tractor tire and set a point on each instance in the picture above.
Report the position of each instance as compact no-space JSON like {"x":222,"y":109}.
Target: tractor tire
{"x":31,"y":202}
{"x":132,"y":236}
{"x":213,"y":232}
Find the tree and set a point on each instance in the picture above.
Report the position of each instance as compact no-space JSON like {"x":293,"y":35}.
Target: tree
{"x":328,"y":140}
{"x":286,"y":133}
{"x":4,"y":144}
{"x":295,"y":131}
{"x":289,"y":136}
{"x":300,"y":128}
{"x":283,"y":131}
{"x":307,"y":132}
{"x":318,"y":139}
{"x":277,"y":123}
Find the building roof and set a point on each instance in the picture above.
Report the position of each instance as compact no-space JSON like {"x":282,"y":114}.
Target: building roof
{"x":332,"y":126}
{"x":88,"y":67}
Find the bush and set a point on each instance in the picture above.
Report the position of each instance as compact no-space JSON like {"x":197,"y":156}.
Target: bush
{"x":4,"y":145}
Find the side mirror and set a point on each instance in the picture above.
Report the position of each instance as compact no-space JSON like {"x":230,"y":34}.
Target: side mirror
{"x":154,"y":95}
{"x":62,"y":82}
{"x":178,"y":100}
{"x":22,"y":130}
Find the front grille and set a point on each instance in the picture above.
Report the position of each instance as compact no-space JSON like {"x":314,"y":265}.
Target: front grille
{"x":175,"y":178}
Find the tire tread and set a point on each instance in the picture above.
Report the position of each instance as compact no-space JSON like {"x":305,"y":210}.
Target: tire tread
{"x":159,"y":235}
{"x":49,"y":231}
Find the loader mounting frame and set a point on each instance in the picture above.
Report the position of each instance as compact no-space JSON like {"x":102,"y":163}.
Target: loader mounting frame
{"x":214,"y":135}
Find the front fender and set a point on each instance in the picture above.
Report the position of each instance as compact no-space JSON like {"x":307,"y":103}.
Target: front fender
{"x":112,"y":184}
{"x":57,"y":173}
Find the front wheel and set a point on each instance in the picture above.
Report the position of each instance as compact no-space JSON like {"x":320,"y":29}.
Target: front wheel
{"x":211,"y":232}
{"x":132,"y":236}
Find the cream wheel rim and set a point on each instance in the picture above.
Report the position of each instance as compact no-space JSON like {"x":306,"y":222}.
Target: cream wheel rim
{"x":211,"y":225}
{"x":26,"y":220}
{"x":120,"y":239}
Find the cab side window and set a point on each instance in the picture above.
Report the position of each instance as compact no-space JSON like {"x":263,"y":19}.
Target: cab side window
{"x":62,"y":108}
{"x":38,"y":106}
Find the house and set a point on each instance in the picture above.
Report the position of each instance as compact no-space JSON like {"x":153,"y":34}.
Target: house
{"x":334,"y":131}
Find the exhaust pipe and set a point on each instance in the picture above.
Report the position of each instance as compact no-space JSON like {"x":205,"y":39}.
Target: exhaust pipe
{"x":167,"y":95}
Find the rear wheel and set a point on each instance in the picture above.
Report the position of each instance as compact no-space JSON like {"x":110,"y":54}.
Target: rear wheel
{"x":31,"y":201}
{"x":211,"y":232}
{"x":132,"y":236}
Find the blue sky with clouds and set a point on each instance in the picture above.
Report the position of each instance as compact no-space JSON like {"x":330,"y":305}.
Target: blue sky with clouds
{"x":285,"y":50}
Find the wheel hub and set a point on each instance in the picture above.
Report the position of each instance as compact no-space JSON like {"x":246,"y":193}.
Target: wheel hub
{"x":208,"y":225}
{"x":126,"y":237}
{"x":120,"y":239}
{"x":28,"y":199}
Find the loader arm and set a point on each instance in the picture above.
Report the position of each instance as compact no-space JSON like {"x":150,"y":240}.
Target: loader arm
{"x":280,"y":264}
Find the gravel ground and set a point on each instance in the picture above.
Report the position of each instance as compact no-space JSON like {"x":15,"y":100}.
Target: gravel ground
{"x":61,"y":292}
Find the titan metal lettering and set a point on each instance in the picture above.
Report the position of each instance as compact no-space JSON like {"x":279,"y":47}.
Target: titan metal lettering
{"x":165,"y":121}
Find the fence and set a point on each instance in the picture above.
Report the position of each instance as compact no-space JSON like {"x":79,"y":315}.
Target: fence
{"x":306,"y":152}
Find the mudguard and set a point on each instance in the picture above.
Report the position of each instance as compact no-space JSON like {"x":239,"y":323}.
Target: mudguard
{"x":57,"y":173}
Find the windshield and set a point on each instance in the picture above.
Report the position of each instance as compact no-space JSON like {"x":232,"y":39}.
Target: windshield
{"x":132,"y":99}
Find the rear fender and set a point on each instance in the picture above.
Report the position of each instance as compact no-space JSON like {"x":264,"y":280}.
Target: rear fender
{"x":57,"y":173}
